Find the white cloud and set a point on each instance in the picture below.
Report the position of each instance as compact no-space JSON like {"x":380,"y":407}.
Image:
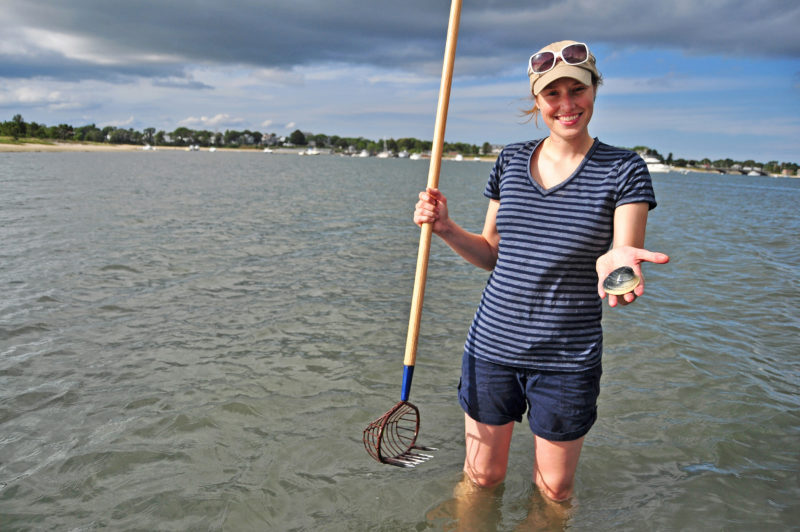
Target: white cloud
{"x":36,"y":95}
{"x":33,"y":96}
{"x":278,"y":76}
{"x":82,"y":48}
{"x":290,"y":125}
{"x":407,"y":78}
{"x":211,"y":122}
{"x":69,"y":46}
{"x":121,"y":123}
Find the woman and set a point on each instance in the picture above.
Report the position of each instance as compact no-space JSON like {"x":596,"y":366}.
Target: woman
{"x":563,"y":213}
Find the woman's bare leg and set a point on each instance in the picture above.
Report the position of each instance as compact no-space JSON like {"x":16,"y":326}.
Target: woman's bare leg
{"x":554,"y":470}
{"x":487,"y":451}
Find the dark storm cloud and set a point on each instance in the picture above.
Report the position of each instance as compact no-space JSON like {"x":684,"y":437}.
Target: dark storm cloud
{"x":66,"y":69}
{"x":156,"y":39}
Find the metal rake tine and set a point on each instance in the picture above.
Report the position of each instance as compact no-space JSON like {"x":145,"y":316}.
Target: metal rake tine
{"x":398,"y":462}
{"x":419,"y":456}
{"x":413,"y":459}
{"x":408,"y":460}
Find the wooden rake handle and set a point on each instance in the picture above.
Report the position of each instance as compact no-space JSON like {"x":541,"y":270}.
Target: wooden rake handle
{"x":433,"y":182}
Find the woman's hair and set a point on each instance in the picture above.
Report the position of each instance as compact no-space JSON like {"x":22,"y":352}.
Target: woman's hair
{"x":533,"y":112}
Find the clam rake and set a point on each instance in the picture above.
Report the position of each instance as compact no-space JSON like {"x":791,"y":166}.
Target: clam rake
{"x":391,"y":439}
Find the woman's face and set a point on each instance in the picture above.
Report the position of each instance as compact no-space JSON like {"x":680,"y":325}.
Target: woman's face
{"x":566,"y":106}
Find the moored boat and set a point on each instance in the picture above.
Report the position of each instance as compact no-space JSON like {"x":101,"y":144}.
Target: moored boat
{"x":655,"y":166}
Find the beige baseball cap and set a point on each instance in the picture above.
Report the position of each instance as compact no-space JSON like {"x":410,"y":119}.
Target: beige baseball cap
{"x":582,"y":72}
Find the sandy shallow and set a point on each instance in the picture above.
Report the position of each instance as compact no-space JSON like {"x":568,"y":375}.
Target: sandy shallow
{"x":66,"y":146}
{"x":89,"y":147}
{"x":92,"y":147}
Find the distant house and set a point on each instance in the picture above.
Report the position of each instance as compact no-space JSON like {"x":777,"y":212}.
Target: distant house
{"x":269,"y":139}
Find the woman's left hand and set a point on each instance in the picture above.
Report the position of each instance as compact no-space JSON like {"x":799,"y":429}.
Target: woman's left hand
{"x":625,"y":256}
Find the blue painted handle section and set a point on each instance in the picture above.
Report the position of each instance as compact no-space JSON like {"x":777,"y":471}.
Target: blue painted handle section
{"x":408,"y":374}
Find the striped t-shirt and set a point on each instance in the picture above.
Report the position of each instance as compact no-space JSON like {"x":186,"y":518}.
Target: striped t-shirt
{"x":540,"y":307}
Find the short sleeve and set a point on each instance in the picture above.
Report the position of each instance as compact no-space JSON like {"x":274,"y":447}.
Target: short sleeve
{"x":634,"y":184}
{"x":492,"y":190}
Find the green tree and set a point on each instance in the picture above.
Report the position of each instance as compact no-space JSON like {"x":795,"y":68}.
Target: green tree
{"x":232,"y":137}
{"x":297,"y":138}
{"x":120,"y":136}
{"x":18,"y":128}
{"x":772,"y":167}
{"x":88,"y":133}
{"x":203,"y":137}
{"x":183,"y":136}
{"x":37,"y":130}
{"x":63,"y":132}
{"x":320,"y":140}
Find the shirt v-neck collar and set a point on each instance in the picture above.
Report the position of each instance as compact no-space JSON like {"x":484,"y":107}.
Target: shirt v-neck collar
{"x":555,"y":188}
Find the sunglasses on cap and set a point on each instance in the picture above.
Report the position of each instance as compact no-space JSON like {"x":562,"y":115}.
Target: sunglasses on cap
{"x":572,"y":54}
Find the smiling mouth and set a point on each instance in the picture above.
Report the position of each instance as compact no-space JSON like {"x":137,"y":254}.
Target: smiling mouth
{"x":568,"y":118}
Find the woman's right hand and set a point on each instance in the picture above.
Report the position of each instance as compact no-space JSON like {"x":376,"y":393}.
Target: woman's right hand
{"x":432,"y":208}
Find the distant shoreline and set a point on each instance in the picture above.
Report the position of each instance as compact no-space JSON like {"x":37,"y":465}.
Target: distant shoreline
{"x":97,"y":147}
{"x":56,"y":147}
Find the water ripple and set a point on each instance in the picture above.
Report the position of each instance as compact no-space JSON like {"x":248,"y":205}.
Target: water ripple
{"x":191,"y":341}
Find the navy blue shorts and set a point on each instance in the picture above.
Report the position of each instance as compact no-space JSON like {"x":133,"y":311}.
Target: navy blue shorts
{"x":561,"y":406}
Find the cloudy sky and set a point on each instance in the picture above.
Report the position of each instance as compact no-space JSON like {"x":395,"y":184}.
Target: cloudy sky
{"x":716,"y":78}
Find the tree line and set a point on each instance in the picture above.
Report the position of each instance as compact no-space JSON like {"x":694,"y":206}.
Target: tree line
{"x":17,"y":129}
{"x":771,"y":167}
{"x":409,"y":144}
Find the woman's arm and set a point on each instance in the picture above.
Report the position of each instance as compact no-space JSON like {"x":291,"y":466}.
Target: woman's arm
{"x":478,"y":249}
{"x":627,"y":249}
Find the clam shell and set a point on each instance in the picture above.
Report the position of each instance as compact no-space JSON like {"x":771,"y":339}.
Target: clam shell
{"x":620,"y":281}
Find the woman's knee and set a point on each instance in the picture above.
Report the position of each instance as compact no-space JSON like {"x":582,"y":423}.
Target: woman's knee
{"x":485,"y":477}
{"x":487,"y":448}
{"x":556,"y":491}
{"x":554,"y":471}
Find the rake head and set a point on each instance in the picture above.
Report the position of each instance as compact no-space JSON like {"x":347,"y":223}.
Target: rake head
{"x":391,"y":438}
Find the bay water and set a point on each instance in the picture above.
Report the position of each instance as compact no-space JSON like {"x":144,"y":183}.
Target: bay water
{"x":196,"y":341}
